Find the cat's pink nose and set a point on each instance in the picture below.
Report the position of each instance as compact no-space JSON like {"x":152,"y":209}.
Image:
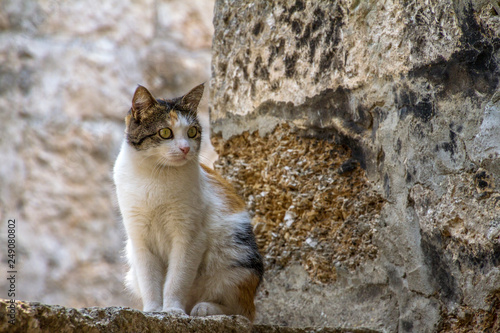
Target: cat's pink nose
{"x":185,"y":150}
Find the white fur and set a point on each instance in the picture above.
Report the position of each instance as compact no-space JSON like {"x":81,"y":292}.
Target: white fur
{"x":178,"y":248}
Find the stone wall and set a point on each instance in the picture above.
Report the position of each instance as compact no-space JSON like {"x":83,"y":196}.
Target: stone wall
{"x":32,"y":317}
{"x":412,"y":88}
{"x":68,"y":70}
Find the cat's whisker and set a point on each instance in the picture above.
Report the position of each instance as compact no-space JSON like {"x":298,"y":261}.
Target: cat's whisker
{"x":164,"y":162}
{"x":144,"y":159}
{"x":156,"y":169}
{"x":160,"y":166}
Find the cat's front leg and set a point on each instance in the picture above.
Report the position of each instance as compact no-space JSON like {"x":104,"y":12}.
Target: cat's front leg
{"x":184,"y":261}
{"x":149,"y":272}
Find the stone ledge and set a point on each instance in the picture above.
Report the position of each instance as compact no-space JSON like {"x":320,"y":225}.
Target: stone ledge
{"x":36,"y":317}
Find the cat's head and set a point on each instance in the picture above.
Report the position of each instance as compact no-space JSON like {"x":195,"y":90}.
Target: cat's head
{"x":165,"y":130}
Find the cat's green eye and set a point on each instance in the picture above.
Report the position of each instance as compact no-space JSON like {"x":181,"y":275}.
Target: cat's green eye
{"x":192,"y":132}
{"x":165,"y":133}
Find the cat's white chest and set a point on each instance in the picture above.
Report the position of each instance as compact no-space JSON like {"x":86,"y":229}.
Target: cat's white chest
{"x":157,"y":204}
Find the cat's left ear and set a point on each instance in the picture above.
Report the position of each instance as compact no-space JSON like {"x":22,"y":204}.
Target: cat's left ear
{"x":141,"y":102}
{"x":192,"y":99}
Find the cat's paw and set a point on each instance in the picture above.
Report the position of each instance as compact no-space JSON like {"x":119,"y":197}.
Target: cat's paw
{"x":175,"y":311}
{"x":152,"y":309}
{"x":206,"y":309}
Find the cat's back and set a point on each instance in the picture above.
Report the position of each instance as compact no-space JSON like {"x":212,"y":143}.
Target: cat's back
{"x":222,"y":194}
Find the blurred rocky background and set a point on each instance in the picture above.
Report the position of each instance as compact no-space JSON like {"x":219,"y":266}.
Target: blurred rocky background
{"x":68,"y":70}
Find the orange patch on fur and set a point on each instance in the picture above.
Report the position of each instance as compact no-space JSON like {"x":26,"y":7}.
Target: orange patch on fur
{"x":246,"y":295}
{"x":173,"y":116}
{"x":127,"y":121}
{"x":234,"y":203}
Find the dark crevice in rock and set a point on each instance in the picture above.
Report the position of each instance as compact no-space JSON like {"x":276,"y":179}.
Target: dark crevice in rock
{"x":321,"y":113}
{"x":472,"y":68}
{"x":436,"y":250}
{"x":439,"y":265}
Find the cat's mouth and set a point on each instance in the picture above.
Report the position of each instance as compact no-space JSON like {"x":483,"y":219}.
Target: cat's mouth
{"x":178,"y":159}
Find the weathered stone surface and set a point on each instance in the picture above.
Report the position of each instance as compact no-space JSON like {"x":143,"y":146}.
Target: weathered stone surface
{"x":311,"y":204}
{"x":412,"y":88}
{"x":32,"y":317}
{"x":68,"y":70}
{"x":315,"y":218}
{"x":37,"y":317}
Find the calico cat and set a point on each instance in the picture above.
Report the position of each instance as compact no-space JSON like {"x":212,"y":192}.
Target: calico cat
{"x":190,"y":246}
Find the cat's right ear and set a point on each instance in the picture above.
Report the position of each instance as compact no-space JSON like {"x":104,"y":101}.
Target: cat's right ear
{"x":193,"y":98}
{"x":141,"y":102}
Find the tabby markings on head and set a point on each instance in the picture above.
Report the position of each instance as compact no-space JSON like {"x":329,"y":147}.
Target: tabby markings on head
{"x":148,"y":115}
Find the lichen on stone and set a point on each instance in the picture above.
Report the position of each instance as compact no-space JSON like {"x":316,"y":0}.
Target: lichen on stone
{"x":310,"y":201}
